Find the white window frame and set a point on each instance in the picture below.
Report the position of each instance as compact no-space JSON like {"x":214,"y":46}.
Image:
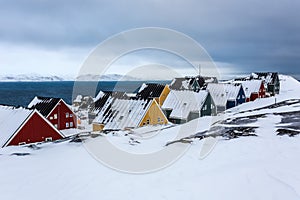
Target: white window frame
{"x":67,"y":125}
{"x":71,"y":124}
{"x":51,"y":117}
{"x":55,"y":125}
{"x":55,"y":116}
{"x":22,"y":143}
{"x":71,"y":115}
{"x":48,"y":139}
{"x":67,"y":115}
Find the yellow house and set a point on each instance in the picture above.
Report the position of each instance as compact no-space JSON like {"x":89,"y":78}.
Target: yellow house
{"x":154,"y":115}
{"x":155,"y":91}
{"x":120,"y":114}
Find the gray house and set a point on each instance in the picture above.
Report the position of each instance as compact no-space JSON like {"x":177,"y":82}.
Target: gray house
{"x":182,"y":106}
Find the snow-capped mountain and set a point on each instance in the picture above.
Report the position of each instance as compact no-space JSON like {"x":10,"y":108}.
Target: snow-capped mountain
{"x":31,"y":77}
{"x":106,"y":77}
{"x":87,"y":77}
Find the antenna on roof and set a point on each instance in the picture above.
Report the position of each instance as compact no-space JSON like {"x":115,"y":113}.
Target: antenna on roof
{"x":199,"y":68}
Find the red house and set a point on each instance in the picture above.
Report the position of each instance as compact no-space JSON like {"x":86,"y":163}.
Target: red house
{"x":22,"y":126}
{"x":56,"y":111}
{"x":253,"y":89}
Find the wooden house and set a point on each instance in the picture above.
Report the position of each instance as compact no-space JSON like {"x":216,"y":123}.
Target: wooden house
{"x":120,"y":114}
{"x":20,"y":126}
{"x":56,"y":111}
{"x":155,"y":91}
{"x":271,"y":80}
{"x":182,"y":106}
{"x":226,"y":95}
{"x":253,"y":89}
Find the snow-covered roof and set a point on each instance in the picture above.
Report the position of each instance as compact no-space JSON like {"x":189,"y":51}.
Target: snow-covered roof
{"x":78,"y":99}
{"x":44,"y":104}
{"x":222,"y":92}
{"x":186,"y":83}
{"x":150,"y":90}
{"x":267,"y":77}
{"x":180,"y":84}
{"x":11,"y":119}
{"x":182,"y":102}
{"x":250,"y":86}
{"x":99,"y":96}
{"x":118,"y":114}
{"x":144,"y":85}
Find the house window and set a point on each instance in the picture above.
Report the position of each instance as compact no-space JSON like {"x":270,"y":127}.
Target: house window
{"x":148,"y":121}
{"x":55,"y":116}
{"x":205,"y":107}
{"x":212,"y":106}
{"x":55,"y":125}
{"x":144,"y":124}
{"x":67,"y":115}
{"x":48,"y":139}
{"x":51,"y":118}
{"x":67,"y":125}
{"x":22,"y":143}
{"x":158,"y":119}
{"x":71,"y":124}
{"x":71,"y":115}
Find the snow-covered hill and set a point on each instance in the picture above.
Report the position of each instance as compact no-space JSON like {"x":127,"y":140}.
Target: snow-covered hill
{"x":265,"y":166}
{"x":32,"y":77}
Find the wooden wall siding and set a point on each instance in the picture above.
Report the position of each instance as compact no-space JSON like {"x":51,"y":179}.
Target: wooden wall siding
{"x":35,"y":130}
{"x":163,"y":95}
{"x":155,"y":115}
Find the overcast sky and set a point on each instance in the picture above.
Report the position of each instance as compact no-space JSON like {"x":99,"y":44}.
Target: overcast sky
{"x":55,"y":37}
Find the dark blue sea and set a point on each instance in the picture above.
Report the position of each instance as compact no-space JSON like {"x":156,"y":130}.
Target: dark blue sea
{"x":21,"y":93}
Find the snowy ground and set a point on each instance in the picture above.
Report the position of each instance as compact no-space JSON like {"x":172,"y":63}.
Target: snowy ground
{"x":265,"y":166}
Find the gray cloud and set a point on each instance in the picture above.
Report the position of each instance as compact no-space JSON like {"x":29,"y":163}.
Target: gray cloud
{"x":253,"y":35}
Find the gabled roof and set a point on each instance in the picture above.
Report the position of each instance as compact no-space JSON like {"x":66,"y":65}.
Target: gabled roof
{"x":118,"y":114}
{"x":11,"y":119}
{"x":182,"y":102}
{"x":102,"y":97}
{"x":250,"y":86}
{"x":150,"y":90}
{"x":44,"y":104}
{"x":222,"y":92}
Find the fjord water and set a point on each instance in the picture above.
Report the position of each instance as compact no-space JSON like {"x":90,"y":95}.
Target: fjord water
{"x":21,"y":93}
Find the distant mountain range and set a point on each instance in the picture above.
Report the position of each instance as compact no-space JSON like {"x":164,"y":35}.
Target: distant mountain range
{"x":107,"y":77}
{"x":87,"y":77}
